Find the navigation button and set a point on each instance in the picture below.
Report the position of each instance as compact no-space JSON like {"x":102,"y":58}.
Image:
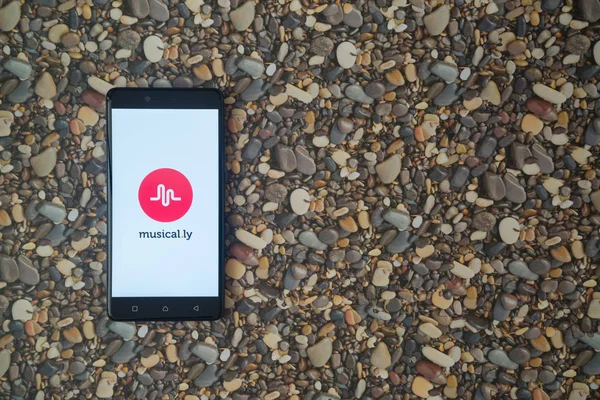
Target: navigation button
{"x":134,"y":308}
{"x":165,"y":309}
{"x":196,"y":308}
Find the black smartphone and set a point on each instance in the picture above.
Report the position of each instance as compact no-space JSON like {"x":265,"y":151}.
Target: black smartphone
{"x":166,"y":203}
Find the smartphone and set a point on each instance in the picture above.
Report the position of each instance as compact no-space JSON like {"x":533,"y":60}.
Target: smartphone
{"x":165,"y":204}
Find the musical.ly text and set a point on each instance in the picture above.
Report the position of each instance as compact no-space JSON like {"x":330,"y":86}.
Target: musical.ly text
{"x":164,"y":234}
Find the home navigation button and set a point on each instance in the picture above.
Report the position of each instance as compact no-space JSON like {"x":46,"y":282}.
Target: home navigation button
{"x":165,"y":309}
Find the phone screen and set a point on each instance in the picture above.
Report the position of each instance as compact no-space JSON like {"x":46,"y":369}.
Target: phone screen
{"x":165,"y":202}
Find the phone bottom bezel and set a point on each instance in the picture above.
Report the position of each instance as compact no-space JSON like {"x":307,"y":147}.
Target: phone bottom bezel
{"x":177,"y":308}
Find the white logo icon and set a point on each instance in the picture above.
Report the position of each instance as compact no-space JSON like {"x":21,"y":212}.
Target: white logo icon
{"x":164,"y":196}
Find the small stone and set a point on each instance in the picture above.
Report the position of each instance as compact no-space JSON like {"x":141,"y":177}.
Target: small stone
{"x":203,"y":72}
{"x":207,"y":352}
{"x":540,"y":266}
{"x":437,"y":21}
{"x":158,"y":10}
{"x":500,"y":358}
{"x":346,"y":54}
{"x":561,"y":254}
{"x":484,"y":221}
{"x":250,"y":240}
{"x":597,"y":52}
{"x":252,"y":66}
{"x":54,"y":212}
{"x":430,"y":330}
{"x":381,"y":276}
{"x":520,"y":269}
{"x":45,"y":86}
{"x":437,"y":357}
{"x":208,"y":377}
{"x":380,"y":357}
{"x":20,"y":69}
{"x":357,"y":93}
{"x":5,"y":218}
{"x":9,"y":270}
{"x":519,"y":355}
{"x":139,"y":8}
{"x":305,"y":163}
{"x":349,"y":225}
{"x":320,"y":353}
{"x":99,"y":85}
{"x":242,"y":17}
{"x":491,"y":93}
{"x":541,"y":344}
{"x":531,"y":123}
{"x":549,"y":94}
{"x":4,"y":357}
{"x":593,"y":366}
{"x":462,"y":271}
{"x":421,"y":387}
{"x":73,"y":335}
{"x":153,"y":48}
{"x":446,"y":71}
{"x":594,"y":309}
{"x":22,"y":310}
{"x":395,"y":78}
{"x":6,"y":120}
{"x":276,"y":192}
{"x":440,"y":301}
{"x":43,"y":164}
{"x":509,"y":230}
{"x":10,"y":15}
{"x":65,"y":267}
{"x":300,"y":201}
{"x":106,"y":384}
{"x":389,"y":169}
{"x":126,"y":330}
{"x":70,"y":39}
{"x":590,"y":9}
{"x":234,"y":269}
{"x":578,"y":44}
{"x":516,"y":47}
{"x":286,"y":158}
{"x":353,"y":18}
{"x":129,"y":39}
{"x":311,"y":240}
{"x":431,"y":371}
{"x":88,"y":116}
{"x":375,"y":89}
{"x":298,"y":94}
{"x":233,"y":385}
{"x":397,"y":218}
{"x":28,"y":274}
{"x":322,"y":46}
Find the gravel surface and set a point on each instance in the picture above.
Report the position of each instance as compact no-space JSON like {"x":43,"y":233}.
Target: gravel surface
{"x":413,"y":198}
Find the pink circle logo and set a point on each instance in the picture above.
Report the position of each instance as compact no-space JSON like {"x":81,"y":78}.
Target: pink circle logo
{"x":165,"y":195}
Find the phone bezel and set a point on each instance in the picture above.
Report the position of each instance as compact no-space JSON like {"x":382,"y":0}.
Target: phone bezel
{"x":179,"y":308}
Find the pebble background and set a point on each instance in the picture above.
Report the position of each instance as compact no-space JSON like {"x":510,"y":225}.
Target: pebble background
{"x":413,"y":198}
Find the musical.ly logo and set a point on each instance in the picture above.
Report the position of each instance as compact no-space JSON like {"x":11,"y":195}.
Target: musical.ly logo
{"x":165,"y":195}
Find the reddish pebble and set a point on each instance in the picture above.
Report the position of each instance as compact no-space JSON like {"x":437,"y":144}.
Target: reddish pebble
{"x":243,"y":253}
{"x":541,"y":108}
{"x":32,"y":328}
{"x":59,"y":108}
{"x":352,"y":317}
{"x":431,"y":371}
{"x":394,"y":378}
{"x":94,"y":99}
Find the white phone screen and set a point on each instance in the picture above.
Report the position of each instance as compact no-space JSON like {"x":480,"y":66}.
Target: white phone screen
{"x":165,"y":202}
